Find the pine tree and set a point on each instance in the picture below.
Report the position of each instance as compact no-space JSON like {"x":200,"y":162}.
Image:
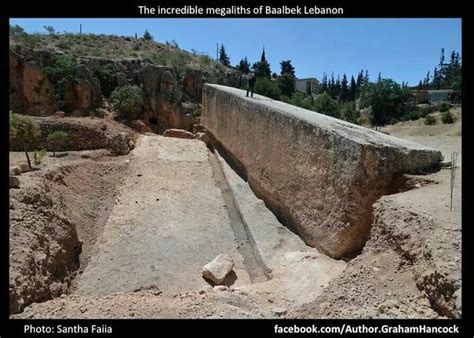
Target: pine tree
{"x":337,"y":88}
{"x":426,"y":81}
{"x":263,"y":58}
{"x":287,"y":81}
{"x":262,"y":68}
{"x":436,"y":84}
{"x":147,"y":35}
{"x":223,"y":58}
{"x":324,"y":83}
{"x":360,"y":79}
{"x":244,"y":66}
{"x":344,"y":94}
{"x":366,"y":78}
{"x":287,"y":68}
{"x":353,"y":89}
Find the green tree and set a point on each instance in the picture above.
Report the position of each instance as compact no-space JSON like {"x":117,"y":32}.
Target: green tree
{"x":244,"y":66}
{"x":266,"y":87}
{"x":223,"y":57}
{"x":262,"y":68}
{"x":344,"y":94}
{"x":387,"y":100}
{"x":287,"y":80}
{"x":56,"y":139}
{"x":287,"y":68}
{"x":147,"y":35}
{"x":347,"y":112}
{"x":17,"y":31}
{"x":50,"y":30}
{"x":127,"y":101}
{"x":25,"y":131}
{"x":352,"y":90}
{"x":301,"y":100}
{"x":61,"y":71}
{"x":325,"y":104}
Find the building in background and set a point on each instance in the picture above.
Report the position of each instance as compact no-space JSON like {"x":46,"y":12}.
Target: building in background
{"x":308,"y":85}
{"x":435,"y":96}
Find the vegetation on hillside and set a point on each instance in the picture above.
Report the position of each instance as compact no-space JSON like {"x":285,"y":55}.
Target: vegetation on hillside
{"x":115,"y":47}
{"x":127,"y":101}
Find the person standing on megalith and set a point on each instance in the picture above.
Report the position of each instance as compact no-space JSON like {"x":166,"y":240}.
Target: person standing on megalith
{"x":251,"y":84}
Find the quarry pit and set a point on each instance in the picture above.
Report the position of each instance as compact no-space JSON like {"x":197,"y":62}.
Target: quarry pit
{"x":302,"y":202}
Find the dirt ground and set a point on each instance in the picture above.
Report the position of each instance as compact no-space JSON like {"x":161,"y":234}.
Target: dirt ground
{"x":409,"y":268}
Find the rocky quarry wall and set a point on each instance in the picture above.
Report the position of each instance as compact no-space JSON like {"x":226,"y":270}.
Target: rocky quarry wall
{"x":170,"y":98}
{"x":318,"y":174}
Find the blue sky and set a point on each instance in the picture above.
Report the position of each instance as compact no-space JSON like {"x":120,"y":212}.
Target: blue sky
{"x":401,"y":49}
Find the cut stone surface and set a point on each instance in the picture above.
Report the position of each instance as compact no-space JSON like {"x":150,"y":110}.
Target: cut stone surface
{"x":218,"y":268}
{"x":318,"y":174}
{"x":179,"y":224}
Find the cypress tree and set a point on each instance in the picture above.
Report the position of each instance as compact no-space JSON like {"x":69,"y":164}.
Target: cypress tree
{"x":223,"y":57}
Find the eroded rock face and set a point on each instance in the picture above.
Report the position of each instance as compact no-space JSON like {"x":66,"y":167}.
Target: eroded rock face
{"x":411,"y":234}
{"x":192,"y":84}
{"x":83,"y":95}
{"x":320,"y":175}
{"x":44,"y":247}
{"x":30,"y":91}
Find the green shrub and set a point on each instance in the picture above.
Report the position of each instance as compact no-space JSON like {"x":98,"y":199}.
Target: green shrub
{"x":61,"y":71}
{"x":106,"y":76}
{"x":299,"y":99}
{"x":127,"y":101}
{"x":427,"y":110}
{"x":430,"y":120}
{"x":414,"y":114}
{"x":38,"y":156}
{"x":325,"y":104}
{"x":348,"y":112}
{"x":443,"y":107}
{"x":160,"y":58}
{"x":447,"y":117}
{"x":267,"y":87}
{"x":56,"y":139}
{"x":361,"y":120}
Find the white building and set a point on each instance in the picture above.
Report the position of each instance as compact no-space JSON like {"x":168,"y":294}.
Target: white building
{"x":308,"y":85}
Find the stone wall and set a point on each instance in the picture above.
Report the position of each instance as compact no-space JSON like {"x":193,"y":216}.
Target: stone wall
{"x":318,"y":174}
{"x":83,"y":134}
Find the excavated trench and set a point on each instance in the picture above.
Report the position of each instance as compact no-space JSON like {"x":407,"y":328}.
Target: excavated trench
{"x":107,"y":248}
{"x":55,"y":219}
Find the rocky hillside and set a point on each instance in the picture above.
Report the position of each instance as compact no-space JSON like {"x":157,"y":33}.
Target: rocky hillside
{"x":77,"y":74}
